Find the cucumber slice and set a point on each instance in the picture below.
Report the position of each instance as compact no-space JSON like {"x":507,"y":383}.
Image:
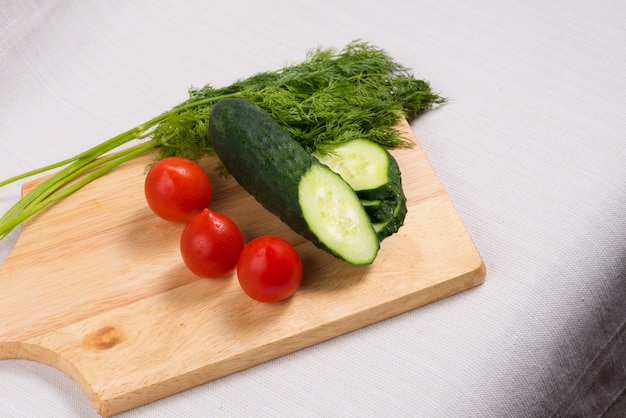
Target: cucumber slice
{"x":375,"y":176}
{"x":361,"y":163}
{"x":389,"y":190}
{"x":367,"y":167}
{"x":335,"y":216}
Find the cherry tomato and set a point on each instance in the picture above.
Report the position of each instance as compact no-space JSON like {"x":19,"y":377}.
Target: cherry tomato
{"x":210,"y":244}
{"x":269,"y":269}
{"x":177,"y":189}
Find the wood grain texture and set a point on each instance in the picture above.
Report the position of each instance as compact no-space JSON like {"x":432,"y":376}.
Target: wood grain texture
{"x":95,"y":287}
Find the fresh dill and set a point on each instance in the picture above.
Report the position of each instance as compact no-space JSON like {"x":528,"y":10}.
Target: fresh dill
{"x":332,"y":96}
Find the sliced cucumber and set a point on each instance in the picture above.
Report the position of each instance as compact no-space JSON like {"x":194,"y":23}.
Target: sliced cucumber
{"x":381,"y":210}
{"x":335,"y":216}
{"x":390,"y":226}
{"x":361,"y":163}
{"x":308,"y":196}
{"x":393,"y":186}
{"x":375,"y":176}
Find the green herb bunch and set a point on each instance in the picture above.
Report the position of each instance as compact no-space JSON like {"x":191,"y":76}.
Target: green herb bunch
{"x":332,"y":96}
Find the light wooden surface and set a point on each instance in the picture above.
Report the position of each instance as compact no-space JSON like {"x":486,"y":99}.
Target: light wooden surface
{"x":95,"y":287}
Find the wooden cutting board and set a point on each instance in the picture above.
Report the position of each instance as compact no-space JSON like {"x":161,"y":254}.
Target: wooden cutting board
{"x":96,"y":287}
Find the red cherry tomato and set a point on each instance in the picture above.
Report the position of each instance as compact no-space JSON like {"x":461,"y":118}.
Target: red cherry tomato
{"x":269,"y":269}
{"x":177,"y":189}
{"x":210,"y":244}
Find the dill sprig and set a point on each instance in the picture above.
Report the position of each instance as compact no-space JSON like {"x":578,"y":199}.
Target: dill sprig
{"x":332,"y":96}
{"x":358,"y":92}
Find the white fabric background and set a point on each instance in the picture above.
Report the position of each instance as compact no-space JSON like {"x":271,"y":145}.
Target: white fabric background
{"x":530,"y":148}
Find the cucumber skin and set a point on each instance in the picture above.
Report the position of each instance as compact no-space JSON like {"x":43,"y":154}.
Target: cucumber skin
{"x":392,"y":225}
{"x":381,"y":210}
{"x":262,"y":153}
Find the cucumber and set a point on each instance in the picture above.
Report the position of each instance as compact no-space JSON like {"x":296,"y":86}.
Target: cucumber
{"x":367,"y":167}
{"x":380,"y":210}
{"x":361,"y":163}
{"x":393,"y":186}
{"x":375,"y":176}
{"x":308,"y":196}
{"x":390,"y":226}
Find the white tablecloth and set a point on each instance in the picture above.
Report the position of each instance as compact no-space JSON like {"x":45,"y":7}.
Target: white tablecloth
{"x":531,"y":149}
